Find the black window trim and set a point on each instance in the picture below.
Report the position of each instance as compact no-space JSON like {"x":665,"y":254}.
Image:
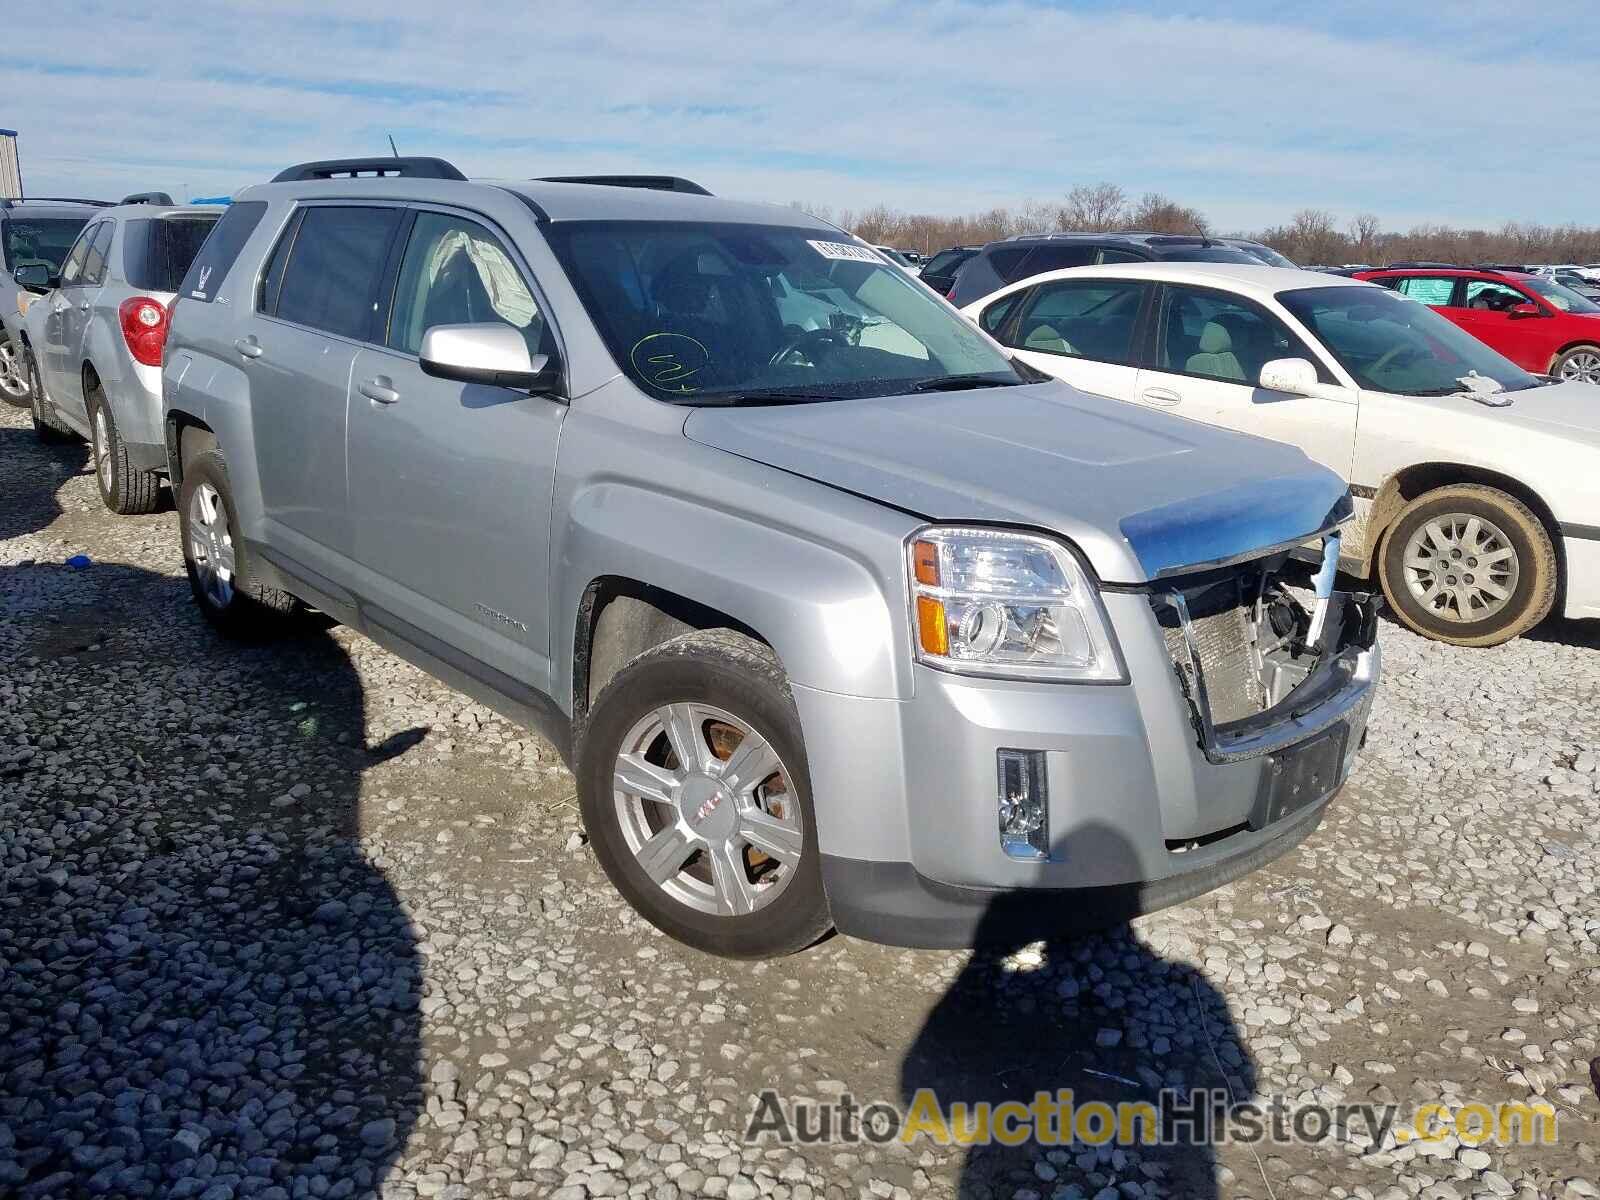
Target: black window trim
{"x":1158,"y":330}
{"x":296,"y":220}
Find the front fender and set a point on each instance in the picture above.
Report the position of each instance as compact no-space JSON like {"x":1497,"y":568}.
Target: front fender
{"x":833,"y":613}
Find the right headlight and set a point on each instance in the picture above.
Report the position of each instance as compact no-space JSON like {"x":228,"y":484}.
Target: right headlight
{"x":1005,"y":603}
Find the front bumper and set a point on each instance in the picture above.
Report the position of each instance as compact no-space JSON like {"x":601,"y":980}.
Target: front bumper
{"x":1583,"y":575}
{"x":1148,"y":805}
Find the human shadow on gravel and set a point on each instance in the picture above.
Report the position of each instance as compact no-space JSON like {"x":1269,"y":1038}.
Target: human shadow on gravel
{"x":206,"y":987}
{"x":1099,"y":1014}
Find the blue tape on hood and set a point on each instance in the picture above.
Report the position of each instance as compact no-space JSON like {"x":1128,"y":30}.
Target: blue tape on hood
{"x":1250,"y":518}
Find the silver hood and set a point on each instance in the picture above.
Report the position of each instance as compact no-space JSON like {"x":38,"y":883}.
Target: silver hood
{"x":1140,"y":493}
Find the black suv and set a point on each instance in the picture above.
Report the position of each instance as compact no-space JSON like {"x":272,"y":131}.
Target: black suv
{"x":939,"y":272}
{"x":1014,"y":258}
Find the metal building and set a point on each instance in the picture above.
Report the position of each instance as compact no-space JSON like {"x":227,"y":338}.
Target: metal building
{"x":10,"y":166}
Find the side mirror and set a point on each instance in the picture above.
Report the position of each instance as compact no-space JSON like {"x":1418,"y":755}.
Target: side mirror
{"x":489,"y":353}
{"x":36,"y":277}
{"x":1526,"y":309}
{"x":1293,"y":375}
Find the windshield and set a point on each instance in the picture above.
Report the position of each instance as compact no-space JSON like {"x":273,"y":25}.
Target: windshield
{"x":1392,"y":344}
{"x":713,"y":313}
{"x":30,"y":241}
{"x":1559,"y":295}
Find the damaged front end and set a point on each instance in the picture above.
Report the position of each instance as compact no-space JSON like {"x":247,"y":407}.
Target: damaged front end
{"x":1262,"y":671}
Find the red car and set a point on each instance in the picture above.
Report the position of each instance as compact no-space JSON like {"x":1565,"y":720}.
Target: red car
{"x":1537,"y":323}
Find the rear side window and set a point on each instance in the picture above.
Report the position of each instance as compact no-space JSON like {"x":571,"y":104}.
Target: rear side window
{"x":331,"y":279}
{"x":1090,"y":318}
{"x":221,"y":249}
{"x":995,"y":315}
{"x":1428,"y":289}
{"x":1054,"y":258}
{"x":1007,"y":263}
{"x":157,"y":252}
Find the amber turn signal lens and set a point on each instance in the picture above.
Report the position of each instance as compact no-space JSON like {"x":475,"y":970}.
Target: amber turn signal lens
{"x":925,"y":560}
{"x":932,"y":630}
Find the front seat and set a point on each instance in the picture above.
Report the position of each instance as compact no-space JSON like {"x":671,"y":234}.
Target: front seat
{"x":458,"y":296}
{"x":1216,"y":355}
{"x":1047,"y":339}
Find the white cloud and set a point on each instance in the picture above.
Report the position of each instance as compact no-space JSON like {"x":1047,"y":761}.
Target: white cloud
{"x":1464,"y":115}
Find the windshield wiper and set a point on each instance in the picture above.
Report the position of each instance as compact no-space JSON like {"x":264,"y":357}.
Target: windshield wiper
{"x":957,"y":383}
{"x":767,"y":396}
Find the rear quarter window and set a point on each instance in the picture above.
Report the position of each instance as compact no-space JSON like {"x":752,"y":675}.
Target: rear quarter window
{"x":221,"y":250}
{"x":157,"y":252}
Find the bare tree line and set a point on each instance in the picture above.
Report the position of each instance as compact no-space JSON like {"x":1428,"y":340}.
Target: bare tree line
{"x":1312,"y":236}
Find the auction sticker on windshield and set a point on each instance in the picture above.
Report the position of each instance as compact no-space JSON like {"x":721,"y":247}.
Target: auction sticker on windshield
{"x":847,"y":252}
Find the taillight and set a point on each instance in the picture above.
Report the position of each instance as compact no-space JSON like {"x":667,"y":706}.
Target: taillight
{"x":951,"y":294}
{"x":144,"y":328}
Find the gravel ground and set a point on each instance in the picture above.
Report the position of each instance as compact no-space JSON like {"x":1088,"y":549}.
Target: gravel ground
{"x":295,"y":920}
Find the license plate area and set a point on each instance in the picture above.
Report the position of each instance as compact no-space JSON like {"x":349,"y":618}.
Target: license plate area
{"x":1300,"y":777}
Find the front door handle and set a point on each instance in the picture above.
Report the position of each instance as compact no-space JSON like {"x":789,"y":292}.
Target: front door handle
{"x":1162,"y":396}
{"x":379,"y":390}
{"x":84,"y":307}
{"x":248,"y":346}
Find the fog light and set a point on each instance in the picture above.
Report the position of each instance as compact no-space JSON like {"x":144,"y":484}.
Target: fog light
{"x":1024,"y":803}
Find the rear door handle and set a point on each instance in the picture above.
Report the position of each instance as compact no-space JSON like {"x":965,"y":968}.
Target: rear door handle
{"x":1162,"y":396}
{"x":248,"y":346}
{"x":379,"y":390}
{"x":84,"y":307}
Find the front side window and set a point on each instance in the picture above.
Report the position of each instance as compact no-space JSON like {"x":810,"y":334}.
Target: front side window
{"x":456,"y":272}
{"x":712,"y":312}
{"x":32,"y":241}
{"x":1221,"y":337}
{"x":1428,"y":289}
{"x":1488,"y":296}
{"x":1091,"y":318}
{"x":331,"y":279}
{"x":1390,"y":344}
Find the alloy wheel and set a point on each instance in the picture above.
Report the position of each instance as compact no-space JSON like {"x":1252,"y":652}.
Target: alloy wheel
{"x":102,"y":450}
{"x":1584,"y":367}
{"x":1461,"y":567}
{"x":211,"y":545}
{"x":707,"y":808}
{"x":13,"y":372}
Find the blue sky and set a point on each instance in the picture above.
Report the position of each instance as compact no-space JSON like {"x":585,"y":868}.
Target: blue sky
{"x":1469,"y":112}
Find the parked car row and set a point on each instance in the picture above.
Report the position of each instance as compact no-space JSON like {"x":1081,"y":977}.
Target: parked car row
{"x":1477,"y":482}
{"x":845,"y":614}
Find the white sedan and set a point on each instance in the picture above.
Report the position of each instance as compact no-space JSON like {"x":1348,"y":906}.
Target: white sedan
{"x":1477,"y":484}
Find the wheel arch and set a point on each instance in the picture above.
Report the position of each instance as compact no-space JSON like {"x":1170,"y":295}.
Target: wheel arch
{"x":1406,"y":484}
{"x":186,"y":436}
{"x":1591,"y":343}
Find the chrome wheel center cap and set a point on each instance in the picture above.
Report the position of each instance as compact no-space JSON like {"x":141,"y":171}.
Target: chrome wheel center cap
{"x":708,"y":808}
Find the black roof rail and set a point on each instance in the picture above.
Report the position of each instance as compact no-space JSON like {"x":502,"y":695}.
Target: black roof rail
{"x":147,"y":198}
{"x":6,"y":203}
{"x":655,"y":183}
{"x":380,"y":168}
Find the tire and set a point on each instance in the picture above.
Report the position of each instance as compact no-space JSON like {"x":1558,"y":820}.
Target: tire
{"x":124,"y":488}
{"x":15,"y":385}
{"x":46,"y":424}
{"x":233,"y":600}
{"x":1528,"y":577}
{"x":1581,"y":363}
{"x":706,"y":677}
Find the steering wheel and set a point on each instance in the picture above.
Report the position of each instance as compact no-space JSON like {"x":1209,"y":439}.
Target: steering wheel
{"x":1389,"y":355}
{"x":810,"y":338}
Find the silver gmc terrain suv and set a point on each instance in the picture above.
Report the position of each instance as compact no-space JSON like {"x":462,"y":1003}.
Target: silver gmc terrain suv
{"x":842,"y":617}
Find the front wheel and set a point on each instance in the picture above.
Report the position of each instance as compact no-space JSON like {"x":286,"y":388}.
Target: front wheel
{"x":1469,"y":565}
{"x":695,"y":792}
{"x":1581,"y":364}
{"x":13,"y":372}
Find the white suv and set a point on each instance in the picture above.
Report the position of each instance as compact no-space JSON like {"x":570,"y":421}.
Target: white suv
{"x":1477,"y":484}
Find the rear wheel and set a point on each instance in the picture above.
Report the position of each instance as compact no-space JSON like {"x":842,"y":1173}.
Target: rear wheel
{"x":218,"y":563}
{"x":1580,"y":364}
{"x":696,"y":796}
{"x":1469,"y":565}
{"x":124,"y":488}
{"x":13,"y":372}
